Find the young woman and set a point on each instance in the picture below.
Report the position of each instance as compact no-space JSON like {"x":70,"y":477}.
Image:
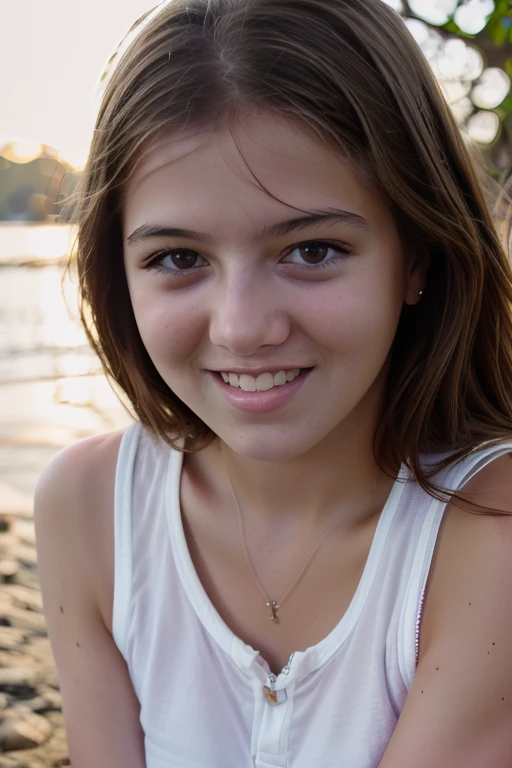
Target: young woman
{"x":300,"y":554}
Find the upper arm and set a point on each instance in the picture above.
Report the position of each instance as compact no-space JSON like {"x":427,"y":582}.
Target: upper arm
{"x":459,"y":710}
{"x":73,"y":509}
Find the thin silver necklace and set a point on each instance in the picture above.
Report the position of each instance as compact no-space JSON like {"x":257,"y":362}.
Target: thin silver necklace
{"x":273,"y":605}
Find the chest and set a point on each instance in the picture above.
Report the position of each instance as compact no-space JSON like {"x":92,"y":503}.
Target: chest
{"x":223,"y":719}
{"x":311,"y":592}
{"x":202,"y":694}
{"x":202,"y":690}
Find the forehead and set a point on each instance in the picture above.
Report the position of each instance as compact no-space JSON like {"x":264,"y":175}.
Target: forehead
{"x":257,"y":169}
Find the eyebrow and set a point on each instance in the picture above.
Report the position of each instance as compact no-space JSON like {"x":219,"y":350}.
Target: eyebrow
{"x":324,"y":216}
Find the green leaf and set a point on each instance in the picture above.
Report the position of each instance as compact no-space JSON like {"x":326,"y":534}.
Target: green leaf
{"x":506,"y":104}
{"x":499,"y":22}
{"x":498,"y":31}
{"x":508,"y":67}
{"x":454,"y":29}
{"x":502,"y":7}
{"x":501,"y":10}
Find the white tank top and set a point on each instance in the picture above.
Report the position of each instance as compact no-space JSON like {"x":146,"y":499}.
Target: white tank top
{"x":201,"y":688}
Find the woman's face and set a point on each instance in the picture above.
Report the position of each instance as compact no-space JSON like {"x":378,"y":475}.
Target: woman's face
{"x":259,"y":257}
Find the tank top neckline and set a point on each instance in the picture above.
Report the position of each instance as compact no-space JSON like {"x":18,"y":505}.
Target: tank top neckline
{"x":249,"y":660}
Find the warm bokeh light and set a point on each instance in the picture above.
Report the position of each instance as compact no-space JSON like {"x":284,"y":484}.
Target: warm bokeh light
{"x":473,"y":14}
{"x":434,"y":11}
{"x":23,"y":151}
{"x":73,"y":156}
{"x":492,"y":88}
{"x":483,"y":127}
{"x":450,"y":59}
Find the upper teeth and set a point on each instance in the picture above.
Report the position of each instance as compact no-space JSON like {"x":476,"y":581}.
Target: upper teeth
{"x":260,"y":383}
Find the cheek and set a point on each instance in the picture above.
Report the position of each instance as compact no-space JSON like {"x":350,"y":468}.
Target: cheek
{"x":360,"y":317}
{"x":169,"y":330}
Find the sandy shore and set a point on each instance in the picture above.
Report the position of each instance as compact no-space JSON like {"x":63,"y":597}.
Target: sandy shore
{"x":37,"y":419}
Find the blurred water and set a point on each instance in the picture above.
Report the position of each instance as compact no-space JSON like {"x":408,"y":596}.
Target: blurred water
{"x":40,"y":336}
{"x":22,"y":243}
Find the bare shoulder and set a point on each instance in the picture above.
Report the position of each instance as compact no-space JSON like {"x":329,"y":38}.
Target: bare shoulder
{"x":73,"y":509}
{"x":459,"y":708}
{"x":473,"y":558}
{"x":88,"y":460}
{"x":74,"y":506}
{"x":473,"y":561}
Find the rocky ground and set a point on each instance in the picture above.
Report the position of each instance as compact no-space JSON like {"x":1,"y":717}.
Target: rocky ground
{"x":36,"y":420}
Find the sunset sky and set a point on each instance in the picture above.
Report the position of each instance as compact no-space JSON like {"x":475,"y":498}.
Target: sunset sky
{"x":51,"y":55}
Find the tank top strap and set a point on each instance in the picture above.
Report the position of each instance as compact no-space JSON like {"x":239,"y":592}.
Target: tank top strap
{"x":468,"y":467}
{"x":453,"y":478}
{"x":123,"y":562}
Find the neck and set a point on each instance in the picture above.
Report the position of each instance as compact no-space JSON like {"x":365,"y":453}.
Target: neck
{"x":307,"y":491}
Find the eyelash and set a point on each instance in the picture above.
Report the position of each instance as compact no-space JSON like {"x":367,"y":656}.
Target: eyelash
{"x":154,"y":259}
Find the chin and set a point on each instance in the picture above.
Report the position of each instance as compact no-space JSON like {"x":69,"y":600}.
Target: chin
{"x":277,"y":445}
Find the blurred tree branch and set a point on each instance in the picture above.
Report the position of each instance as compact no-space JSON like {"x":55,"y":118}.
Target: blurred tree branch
{"x":494,"y":42}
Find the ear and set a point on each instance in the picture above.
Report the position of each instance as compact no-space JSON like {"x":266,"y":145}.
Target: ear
{"x":416,"y":277}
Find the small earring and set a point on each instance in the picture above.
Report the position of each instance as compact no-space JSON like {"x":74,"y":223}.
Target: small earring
{"x":420,"y":293}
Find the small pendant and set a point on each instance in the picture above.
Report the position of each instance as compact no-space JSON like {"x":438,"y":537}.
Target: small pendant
{"x":273,"y":608}
{"x":270,"y":695}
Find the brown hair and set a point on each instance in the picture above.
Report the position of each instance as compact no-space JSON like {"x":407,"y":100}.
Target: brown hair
{"x":351,"y":71}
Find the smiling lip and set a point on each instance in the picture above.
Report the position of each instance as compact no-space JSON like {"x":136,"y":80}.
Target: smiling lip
{"x":260,"y":369}
{"x":260,"y":402}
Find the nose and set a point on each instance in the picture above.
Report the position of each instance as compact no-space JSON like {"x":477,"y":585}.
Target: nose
{"x":247,"y":315}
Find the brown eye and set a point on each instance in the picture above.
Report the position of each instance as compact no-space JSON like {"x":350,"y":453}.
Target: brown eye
{"x":313,"y":253}
{"x":184,"y":259}
{"x":176,"y":260}
{"x":316,"y":254}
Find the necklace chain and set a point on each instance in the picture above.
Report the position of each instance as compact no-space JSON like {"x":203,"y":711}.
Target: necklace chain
{"x":272,"y":605}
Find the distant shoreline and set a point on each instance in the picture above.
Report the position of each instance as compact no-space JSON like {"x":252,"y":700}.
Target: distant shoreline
{"x":35,"y":243}
{"x":23,"y":223}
